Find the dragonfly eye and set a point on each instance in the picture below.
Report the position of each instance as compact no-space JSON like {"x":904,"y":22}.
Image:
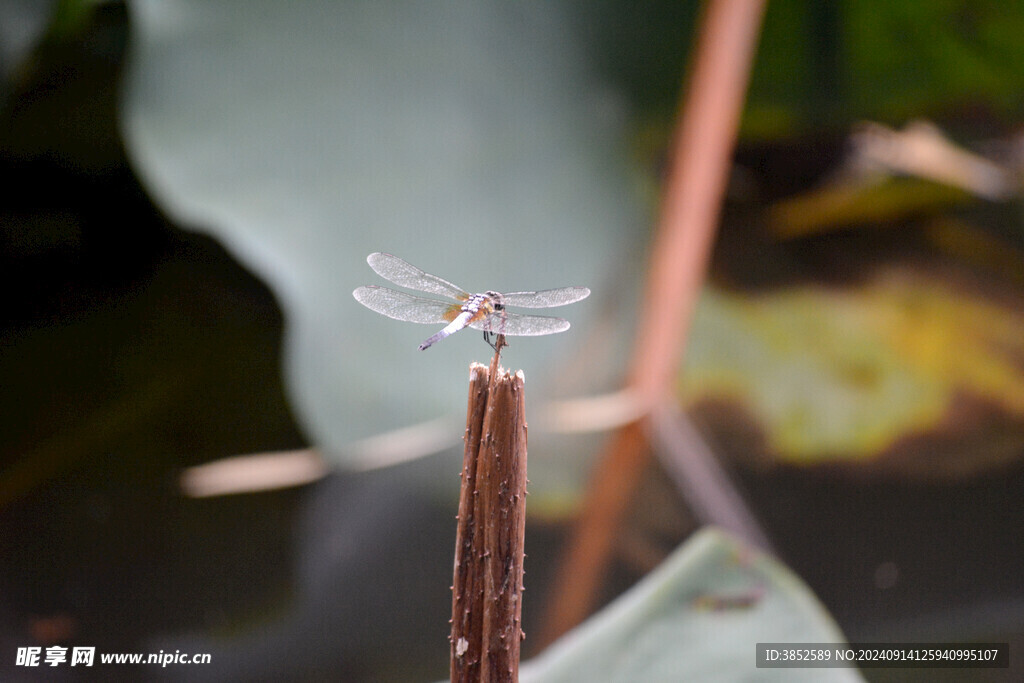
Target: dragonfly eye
{"x":497,"y":302}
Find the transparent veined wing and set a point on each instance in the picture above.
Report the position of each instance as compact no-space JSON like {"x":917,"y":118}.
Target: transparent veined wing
{"x":406,"y":307}
{"x":547,"y":298}
{"x":403,"y":273}
{"x":516,"y":325}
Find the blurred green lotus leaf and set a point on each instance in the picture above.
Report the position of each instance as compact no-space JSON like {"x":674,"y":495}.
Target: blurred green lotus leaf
{"x":697,"y":617}
{"x":470,"y":139}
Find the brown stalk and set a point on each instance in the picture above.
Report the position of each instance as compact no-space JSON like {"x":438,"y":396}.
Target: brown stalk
{"x":701,"y":154}
{"x":488,"y":574}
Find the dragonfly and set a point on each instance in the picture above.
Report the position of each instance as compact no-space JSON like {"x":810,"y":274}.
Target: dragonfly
{"x":484,"y":312}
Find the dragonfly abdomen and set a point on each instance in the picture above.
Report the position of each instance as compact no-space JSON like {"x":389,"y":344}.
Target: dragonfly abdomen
{"x":477,"y":307}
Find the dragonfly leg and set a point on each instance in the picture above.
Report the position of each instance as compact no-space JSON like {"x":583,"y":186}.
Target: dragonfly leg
{"x":492,"y":340}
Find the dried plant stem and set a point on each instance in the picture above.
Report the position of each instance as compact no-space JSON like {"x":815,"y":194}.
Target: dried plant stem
{"x":488,"y":574}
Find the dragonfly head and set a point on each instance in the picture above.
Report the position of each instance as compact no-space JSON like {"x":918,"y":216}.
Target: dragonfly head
{"x":497,"y":300}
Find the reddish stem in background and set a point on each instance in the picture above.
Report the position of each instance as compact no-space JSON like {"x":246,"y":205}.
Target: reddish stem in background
{"x":701,"y":156}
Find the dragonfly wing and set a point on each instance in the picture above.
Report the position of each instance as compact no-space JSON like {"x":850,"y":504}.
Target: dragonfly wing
{"x":546,"y":298}
{"x":516,"y":325}
{"x":405,"y":274}
{"x":406,"y":307}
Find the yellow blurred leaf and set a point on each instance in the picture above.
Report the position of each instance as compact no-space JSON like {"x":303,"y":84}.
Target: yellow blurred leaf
{"x":845,"y":373}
